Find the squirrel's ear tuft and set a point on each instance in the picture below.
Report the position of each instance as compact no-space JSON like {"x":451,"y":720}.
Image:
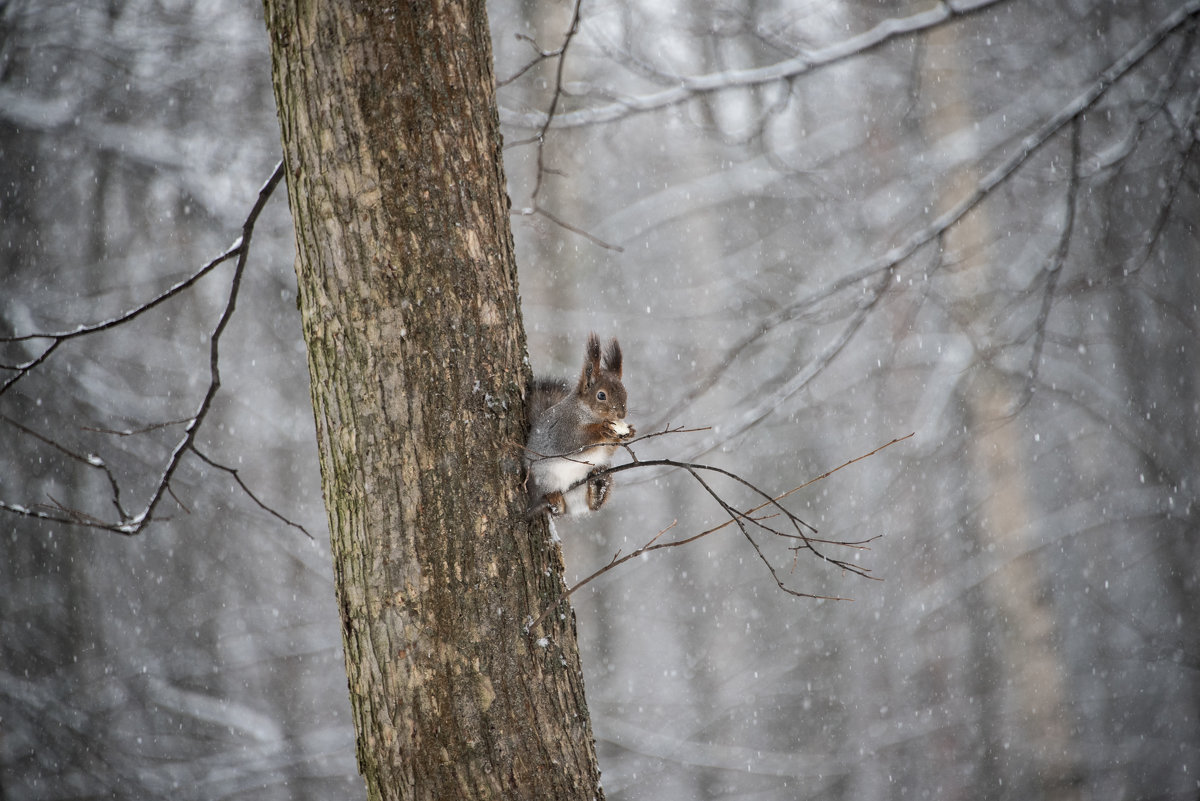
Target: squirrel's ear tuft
{"x":612,"y":357}
{"x":591,"y":363}
{"x":592,"y":355}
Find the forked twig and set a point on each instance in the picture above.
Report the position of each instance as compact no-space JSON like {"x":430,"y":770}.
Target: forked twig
{"x":134,"y":524}
{"x":745,"y":520}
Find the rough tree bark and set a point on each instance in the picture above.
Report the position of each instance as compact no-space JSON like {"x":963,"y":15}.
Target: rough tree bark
{"x":408,"y":294}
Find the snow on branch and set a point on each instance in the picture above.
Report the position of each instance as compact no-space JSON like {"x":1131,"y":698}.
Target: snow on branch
{"x":539,"y":138}
{"x":127,"y":523}
{"x":684,"y":87}
{"x":59,"y":337}
{"x":882,"y":268}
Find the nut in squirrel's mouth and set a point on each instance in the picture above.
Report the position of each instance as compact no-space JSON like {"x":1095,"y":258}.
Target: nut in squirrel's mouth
{"x":619,"y":427}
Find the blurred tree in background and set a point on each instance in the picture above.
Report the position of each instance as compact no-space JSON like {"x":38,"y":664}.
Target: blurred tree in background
{"x":814,"y":226}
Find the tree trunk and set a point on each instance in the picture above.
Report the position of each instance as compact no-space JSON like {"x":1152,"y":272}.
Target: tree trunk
{"x":1031,"y":692}
{"x":408,"y":292}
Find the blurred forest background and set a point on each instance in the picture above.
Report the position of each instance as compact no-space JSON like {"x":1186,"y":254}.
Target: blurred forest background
{"x":815,"y":226}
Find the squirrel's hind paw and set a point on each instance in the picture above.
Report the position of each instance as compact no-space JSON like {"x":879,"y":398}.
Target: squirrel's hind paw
{"x":597,"y":491}
{"x":553,"y":503}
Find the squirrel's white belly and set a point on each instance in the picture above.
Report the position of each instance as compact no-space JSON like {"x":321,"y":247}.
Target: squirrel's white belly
{"x":560,"y":473}
{"x":557,"y":474}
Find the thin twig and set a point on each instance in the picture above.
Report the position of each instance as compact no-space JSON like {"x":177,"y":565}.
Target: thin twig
{"x":614,"y":562}
{"x":214,"y":368}
{"x":130,"y":432}
{"x":561,"y":54}
{"x":542,"y":55}
{"x":59,"y":337}
{"x":539,"y":137}
{"x":537,"y":456}
{"x":561,"y":223}
{"x":1030,"y":144}
{"x":241,"y":249}
{"x":90,"y":459}
{"x":237,"y":478}
{"x":742,"y":519}
{"x":683,"y":88}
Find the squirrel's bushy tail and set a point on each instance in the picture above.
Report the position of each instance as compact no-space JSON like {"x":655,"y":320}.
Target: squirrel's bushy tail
{"x":544,"y":393}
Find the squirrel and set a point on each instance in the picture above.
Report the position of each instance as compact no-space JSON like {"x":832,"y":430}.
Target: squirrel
{"x":574,"y":434}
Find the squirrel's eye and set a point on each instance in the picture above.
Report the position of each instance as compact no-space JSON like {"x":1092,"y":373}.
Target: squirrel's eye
{"x":601,"y":395}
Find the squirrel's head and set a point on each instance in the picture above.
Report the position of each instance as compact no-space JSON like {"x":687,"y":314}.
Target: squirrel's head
{"x":600,"y":384}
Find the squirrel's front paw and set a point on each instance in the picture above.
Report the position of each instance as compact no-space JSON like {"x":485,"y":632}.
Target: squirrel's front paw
{"x":620,"y":429}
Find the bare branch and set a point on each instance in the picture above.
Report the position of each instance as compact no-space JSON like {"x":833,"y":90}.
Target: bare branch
{"x":666,"y":429}
{"x":538,"y":209}
{"x":80,"y":517}
{"x":539,"y":138}
{"x":695,"y":469}
{"x":26,"y":368}
{"x":892,"y":259}
{"x":189,"y":434}
{"x":89,"y":459}
{"x":542,"y":55}
{"x":59,"y":337}
{"x":234,"y":473}
{"x":1053,"y":271}
{"x":744,"y":520}
{"x":684,"y":88}
{"x":561,"y":54}
{"x":241,"y":249}
{"x":616,"y":561}
{"x":130,"y":432}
